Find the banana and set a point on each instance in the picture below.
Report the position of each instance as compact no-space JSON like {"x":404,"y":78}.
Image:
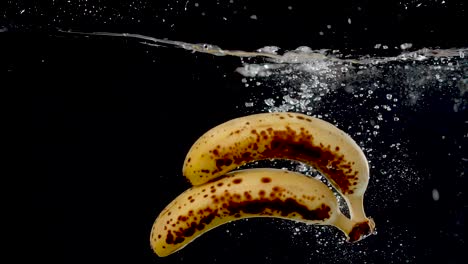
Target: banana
{"x":260,"y":192}
{"x":283,"y":135}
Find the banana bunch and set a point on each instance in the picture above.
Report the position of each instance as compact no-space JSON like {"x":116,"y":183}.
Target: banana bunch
{"x":221,"y":194}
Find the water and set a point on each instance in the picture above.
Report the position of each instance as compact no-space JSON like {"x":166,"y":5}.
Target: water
{"x":403,"y":102}
{"x":374,"y":99}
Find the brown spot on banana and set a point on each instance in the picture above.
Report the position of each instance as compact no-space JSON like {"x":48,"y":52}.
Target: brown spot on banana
{"x":281,"y":197}
{"x":291,"y":136}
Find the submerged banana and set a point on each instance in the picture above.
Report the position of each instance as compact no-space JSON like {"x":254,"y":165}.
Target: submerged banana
{"x":248,"y":193}
{"x":283,"y":135}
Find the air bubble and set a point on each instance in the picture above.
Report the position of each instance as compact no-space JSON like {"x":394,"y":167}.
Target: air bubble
{"x":435,"y":195}
{"x":270,"y":102}
{"x":290,"y":100}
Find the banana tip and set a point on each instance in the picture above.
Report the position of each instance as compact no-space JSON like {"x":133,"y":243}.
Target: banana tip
{"x":362,"y":230}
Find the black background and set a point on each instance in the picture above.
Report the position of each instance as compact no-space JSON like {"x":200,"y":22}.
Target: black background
{"x":109,"y":121}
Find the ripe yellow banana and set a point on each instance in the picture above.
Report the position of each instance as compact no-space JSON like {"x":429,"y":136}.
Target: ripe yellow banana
{"x":260,"y":192}
{"x":283,"y":135}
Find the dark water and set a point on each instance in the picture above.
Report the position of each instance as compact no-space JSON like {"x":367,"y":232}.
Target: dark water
{"x":111,"y":118}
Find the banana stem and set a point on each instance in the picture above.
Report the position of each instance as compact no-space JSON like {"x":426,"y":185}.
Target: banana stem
{"x":356,"y":208}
